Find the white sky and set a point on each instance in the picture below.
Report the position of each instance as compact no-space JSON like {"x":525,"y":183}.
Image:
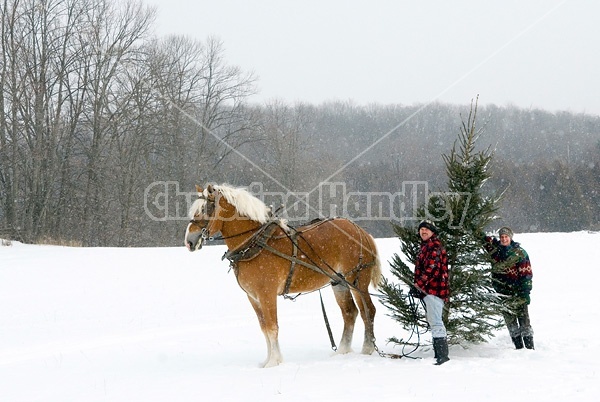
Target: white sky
{"x":528,"y":53}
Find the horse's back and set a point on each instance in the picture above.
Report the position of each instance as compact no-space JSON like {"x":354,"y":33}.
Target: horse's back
{"x":316,"y":253}
{"x":341,"y":241}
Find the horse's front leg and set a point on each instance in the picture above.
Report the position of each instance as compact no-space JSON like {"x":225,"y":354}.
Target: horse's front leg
{"x":266,"y":311}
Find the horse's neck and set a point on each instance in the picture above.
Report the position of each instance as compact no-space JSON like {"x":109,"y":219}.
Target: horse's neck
{"x":236,"y":232}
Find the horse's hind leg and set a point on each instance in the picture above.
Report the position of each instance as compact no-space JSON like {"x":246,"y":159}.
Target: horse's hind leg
{"x":349,"y":314}
{"x":367,"y":313}
{"x":267,"y":318}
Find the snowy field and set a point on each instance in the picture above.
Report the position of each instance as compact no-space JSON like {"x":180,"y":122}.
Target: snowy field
{"x":164,"y":324}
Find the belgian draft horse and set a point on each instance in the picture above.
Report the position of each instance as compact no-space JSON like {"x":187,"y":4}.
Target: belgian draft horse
{"x":270,"y":259}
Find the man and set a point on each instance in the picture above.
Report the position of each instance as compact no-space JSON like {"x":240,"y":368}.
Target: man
{"x":512,"y":276}
{"x":431,"y":285}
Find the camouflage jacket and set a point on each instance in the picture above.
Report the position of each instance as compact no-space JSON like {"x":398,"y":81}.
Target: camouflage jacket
{"x":511,"y":269}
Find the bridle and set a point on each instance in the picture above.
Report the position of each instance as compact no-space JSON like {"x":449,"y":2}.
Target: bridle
{"x":205,"y":214}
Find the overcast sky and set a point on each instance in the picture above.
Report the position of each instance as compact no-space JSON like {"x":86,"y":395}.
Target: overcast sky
{"x":528,"y":53}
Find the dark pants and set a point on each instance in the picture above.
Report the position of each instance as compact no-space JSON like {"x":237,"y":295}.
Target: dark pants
{"x":518,"y":324}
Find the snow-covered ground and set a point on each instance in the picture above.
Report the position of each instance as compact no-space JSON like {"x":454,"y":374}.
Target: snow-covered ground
{"x":164,"y":324}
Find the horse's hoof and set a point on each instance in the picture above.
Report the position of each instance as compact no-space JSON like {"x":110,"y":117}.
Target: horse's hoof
{"x":368,"y":351}
{"x":344,"y":350}
{"x":271,"y":364}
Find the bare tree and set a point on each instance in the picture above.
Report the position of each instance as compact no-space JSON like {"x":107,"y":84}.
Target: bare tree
{"x":286,"y":144}
{"x":204,"y":103}
{"x":112,"y":36}
{"x":37,"y":53}
{"x":10,"y":169}
{"x":134,"y":142}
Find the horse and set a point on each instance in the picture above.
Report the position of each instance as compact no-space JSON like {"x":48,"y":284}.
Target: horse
{"x":270,"y":259}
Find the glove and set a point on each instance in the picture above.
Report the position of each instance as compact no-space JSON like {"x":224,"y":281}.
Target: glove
{"x":526,"y":298}
{"x":414,"y":292}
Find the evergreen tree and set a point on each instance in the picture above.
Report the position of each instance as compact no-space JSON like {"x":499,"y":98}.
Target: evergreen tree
{"x":461,"y":214}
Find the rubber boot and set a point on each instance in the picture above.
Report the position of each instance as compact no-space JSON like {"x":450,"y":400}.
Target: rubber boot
{"x":528,"y":341}
{"x":440,"y":348}
{"x":518,"y":341}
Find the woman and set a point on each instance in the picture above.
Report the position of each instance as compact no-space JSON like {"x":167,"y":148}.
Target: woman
{"x":512,"y":276}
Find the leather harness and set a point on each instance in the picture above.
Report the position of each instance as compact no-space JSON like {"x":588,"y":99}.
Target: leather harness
{"x":259,"y":242}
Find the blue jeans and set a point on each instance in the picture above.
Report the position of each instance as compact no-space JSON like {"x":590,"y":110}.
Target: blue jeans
{"x":434,"y":307}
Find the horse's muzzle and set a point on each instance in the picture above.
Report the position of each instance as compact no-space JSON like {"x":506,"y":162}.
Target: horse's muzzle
{"x":194,"y":241}
{"x":193,"y":247}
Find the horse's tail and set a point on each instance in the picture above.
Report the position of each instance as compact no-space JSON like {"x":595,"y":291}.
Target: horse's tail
{"x":376,"y":277}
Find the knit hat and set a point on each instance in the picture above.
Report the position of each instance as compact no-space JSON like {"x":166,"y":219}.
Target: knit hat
{"x":506,"y":231}
{"x":429,"y":225}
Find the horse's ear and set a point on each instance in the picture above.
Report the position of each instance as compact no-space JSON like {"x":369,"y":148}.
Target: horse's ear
{"x":210,"y":188}
{"x":199,"y":189}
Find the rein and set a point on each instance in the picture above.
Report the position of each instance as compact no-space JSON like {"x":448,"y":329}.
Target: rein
{"x":414,"y":330}
{"x":204,"y":235}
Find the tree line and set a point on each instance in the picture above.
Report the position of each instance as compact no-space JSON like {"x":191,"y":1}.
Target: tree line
{"x":105,"y":129}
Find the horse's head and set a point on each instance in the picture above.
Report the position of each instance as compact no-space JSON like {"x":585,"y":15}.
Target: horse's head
{"x":200,"y":214}
{"x":217,"y":206}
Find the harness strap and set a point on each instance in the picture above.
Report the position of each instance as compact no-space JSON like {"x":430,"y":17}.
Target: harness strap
{"x":293,"y":260}
{"x":331,"y":340}
{"x":334,"y":278}
{"x":248,"y":249}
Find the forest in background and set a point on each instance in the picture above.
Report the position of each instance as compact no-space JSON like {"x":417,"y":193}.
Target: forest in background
{"x":106,"y":128}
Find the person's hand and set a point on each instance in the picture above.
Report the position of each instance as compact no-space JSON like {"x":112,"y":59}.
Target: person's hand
{"x":414,"y":292}
{"x":525,"y":297}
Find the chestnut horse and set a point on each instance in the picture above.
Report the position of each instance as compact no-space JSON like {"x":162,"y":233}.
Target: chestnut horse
{"x":270,"y":259}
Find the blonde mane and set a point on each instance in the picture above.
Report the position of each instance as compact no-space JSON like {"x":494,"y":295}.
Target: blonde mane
{"x":245,"y":203}
{"x":196,"y":207}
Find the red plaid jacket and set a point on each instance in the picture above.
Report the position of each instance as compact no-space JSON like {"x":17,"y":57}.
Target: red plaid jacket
{"x":431,"y":269}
